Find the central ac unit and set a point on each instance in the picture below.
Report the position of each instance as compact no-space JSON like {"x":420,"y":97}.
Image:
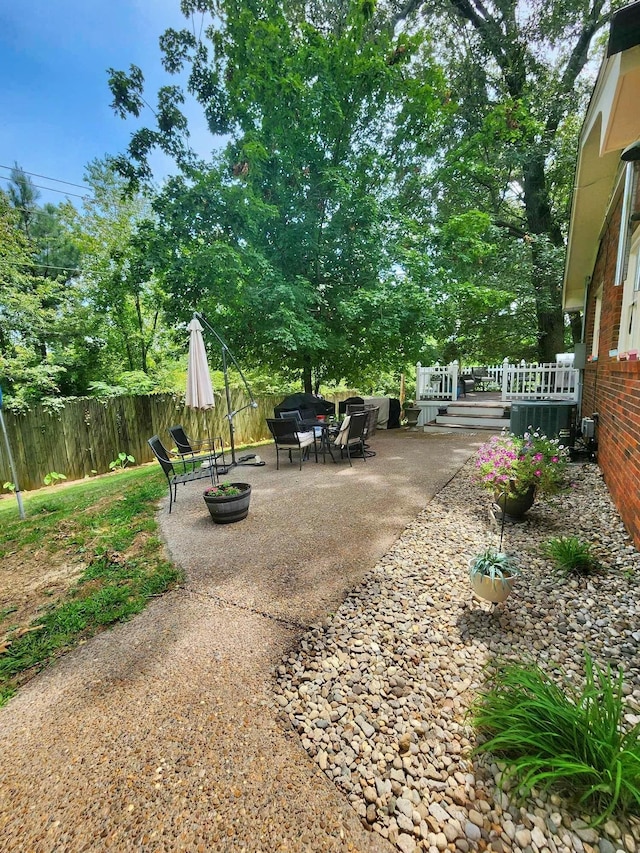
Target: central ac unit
{"x":551,"y":418}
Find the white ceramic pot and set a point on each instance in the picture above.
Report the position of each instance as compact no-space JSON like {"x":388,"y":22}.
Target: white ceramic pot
{"x":495,"y":590}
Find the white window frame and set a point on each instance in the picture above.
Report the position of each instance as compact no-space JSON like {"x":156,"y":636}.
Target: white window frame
{"x":595,"y":343}
{"x":622,"y":260}
{"x":629,"y":338}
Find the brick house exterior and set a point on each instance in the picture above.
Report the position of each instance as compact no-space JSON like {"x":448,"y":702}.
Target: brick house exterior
{"x":602,"y":275}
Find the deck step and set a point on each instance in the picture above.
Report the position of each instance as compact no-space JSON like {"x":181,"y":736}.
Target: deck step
{"x":483,"y":422}
{"x":478,"y":411}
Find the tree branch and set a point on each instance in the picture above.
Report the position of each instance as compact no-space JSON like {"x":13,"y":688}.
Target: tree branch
{"x":513,"y":229}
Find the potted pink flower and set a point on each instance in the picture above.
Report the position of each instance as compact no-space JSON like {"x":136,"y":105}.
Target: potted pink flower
{"x":516,"y":468}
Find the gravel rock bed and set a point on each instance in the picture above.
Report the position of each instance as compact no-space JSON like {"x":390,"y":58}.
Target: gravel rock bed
{"x":379,"y":692}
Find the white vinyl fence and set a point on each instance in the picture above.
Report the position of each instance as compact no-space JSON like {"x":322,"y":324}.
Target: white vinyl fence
{"x":552,"y":381}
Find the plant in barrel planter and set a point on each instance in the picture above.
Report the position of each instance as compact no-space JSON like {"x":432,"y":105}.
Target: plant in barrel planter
{"x":492,"y":575}
{"x":228,"y":502}
{"x":517,"y":468}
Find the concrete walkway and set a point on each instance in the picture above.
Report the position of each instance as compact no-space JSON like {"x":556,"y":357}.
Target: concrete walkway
{"x":162,"y":734}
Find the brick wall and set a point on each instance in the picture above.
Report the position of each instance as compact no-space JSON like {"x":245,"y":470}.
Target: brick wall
{"x":612,"y":389}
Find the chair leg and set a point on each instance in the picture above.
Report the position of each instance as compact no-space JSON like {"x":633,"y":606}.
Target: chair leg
{"x":349,"y":455}
{"x":277,"y":458}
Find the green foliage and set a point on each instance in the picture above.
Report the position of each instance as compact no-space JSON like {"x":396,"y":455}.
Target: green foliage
{"x":518,"y":85}
{"x":52,"y":478}
{"x":10,"y":487}
{"x":229,"y":490}
{"x":121,"y":462}
{"x":288,"y":240}
{"x":572,"y":739}
{"x":571,"y":555}
{"x":495,"y":565}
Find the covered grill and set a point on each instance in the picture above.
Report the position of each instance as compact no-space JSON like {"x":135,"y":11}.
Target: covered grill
{"x":308,"y":406}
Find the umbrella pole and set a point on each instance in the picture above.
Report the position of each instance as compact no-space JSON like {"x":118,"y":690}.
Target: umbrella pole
{"x":227,"y":392}
{"x":244,"y":460}
{"x":212,"y":449}
{"x":18,"y":493}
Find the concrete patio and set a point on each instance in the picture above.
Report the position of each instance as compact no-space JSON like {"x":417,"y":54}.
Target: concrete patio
{"x":163,"y":734}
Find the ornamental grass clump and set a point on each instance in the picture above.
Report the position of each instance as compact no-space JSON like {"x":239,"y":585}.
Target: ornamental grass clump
{"x":571,"y":555}
{"x":574,"y":740}
{"x":513,"y":464}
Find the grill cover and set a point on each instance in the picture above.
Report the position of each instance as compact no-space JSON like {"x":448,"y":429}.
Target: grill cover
{"x":308,"y":406}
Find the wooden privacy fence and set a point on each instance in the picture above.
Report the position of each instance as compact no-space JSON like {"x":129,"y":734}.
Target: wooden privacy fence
{"x":85,"y":436}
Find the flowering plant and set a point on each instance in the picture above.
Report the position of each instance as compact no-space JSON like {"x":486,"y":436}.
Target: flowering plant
{"x":229,"y":490}
{"x":513,"y":464}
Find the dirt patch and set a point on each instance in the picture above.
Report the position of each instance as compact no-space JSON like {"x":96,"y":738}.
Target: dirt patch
{"x":33,"y":579}
{"x":31,"y":582}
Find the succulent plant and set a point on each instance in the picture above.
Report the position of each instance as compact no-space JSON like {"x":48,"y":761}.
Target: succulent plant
{"x":493,"y":564}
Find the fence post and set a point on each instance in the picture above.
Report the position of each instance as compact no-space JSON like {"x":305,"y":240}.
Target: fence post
{"x":419,"y":381}
{"x":454,"y":380}
{"x":505,"y":379}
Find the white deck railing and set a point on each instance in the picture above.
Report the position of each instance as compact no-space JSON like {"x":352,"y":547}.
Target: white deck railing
{"x":552,"y":381}
{"x":437,"y":382}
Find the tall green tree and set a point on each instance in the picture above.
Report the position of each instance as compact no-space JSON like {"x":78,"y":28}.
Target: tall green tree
{"x":118,"y":283}
{"x":288,"y":239}
{"x":44,"y":337}
{"x":517,"y":74}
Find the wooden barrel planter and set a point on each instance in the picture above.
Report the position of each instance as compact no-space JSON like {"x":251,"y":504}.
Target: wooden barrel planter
{"x":226,"y":508}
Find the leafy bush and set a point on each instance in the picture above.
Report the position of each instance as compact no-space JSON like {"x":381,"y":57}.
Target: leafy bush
{"x":571,"y":555}
{"x":558,"y":735}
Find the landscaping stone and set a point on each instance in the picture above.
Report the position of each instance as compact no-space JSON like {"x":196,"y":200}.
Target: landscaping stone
{"x":395,"y":669}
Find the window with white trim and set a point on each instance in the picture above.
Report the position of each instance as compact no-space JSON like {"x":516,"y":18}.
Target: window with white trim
{"x":630,"y":315}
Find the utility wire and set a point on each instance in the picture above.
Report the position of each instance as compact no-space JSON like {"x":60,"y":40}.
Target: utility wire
{"x":49,"y":189}
{"x":39,"y":264}
{"x":46,"y":177}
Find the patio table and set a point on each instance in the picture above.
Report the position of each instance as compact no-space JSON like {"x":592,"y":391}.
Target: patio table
{"x":326,"y":427}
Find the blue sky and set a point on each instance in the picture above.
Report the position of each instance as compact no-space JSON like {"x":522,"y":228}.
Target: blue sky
{"x":54,"y":99}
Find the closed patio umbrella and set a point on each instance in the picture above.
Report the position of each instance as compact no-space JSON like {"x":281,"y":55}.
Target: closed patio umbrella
{"x":199,"y":389}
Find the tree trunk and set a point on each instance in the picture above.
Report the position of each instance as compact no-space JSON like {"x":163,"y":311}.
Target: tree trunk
{"x":547,"y":283}
{"x":306,"y":376}
{"x":575,"y":320}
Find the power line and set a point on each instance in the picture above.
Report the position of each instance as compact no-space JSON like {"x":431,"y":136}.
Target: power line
{"x":46,"y":177}
{"x":49,"y":189}
{"x":39,"y":264}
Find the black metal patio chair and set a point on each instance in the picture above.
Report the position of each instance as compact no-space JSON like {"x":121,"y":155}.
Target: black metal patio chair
{"x":193,"y":452}
{"x":286,"y":436}
{"x":174,"y":480}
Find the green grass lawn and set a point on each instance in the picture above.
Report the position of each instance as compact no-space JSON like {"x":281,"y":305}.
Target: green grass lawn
{"x":105,"y":528}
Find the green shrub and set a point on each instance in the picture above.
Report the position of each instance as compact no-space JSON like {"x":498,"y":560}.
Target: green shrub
{"x":558,"y":735}
{"x":571,"y":555}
